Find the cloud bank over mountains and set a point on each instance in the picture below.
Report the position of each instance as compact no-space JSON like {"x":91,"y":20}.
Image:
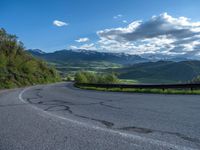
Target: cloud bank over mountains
{"x":161,"y":35}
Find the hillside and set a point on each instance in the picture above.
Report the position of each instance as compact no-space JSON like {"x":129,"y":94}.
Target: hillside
{"x":18,"y":68}
{"x":73,"y":60}
{"x":161,"y":71}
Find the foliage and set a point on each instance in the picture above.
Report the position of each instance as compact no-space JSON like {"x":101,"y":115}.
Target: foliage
{"x":18,"y":68}
{"x":196,"y":79}
{"x":91,"y":77}
{"x":68,"y":78}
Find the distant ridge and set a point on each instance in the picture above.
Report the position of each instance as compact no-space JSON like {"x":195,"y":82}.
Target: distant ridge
{"x":80,"y":55}
{"x":36,"y":51}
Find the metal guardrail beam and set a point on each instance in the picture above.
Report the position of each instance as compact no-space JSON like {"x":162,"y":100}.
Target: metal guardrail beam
{"x":144,"y":86}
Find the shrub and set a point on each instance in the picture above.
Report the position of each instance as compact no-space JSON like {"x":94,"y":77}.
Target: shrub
{"x":196,"y":79}
{"x":90,"y":77}
{"x":80,"y":77}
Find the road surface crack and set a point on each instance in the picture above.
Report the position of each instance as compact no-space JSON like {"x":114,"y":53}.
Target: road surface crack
{"x":146,"y":131}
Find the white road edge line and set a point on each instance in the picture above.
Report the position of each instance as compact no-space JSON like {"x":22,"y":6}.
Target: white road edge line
{"x":123,"y":134}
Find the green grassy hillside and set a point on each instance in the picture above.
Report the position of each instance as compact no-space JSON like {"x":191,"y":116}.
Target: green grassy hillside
{"x":161,"y":71}
{"x":18,"y":68}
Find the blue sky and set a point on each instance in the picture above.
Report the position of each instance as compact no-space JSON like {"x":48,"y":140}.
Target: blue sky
{"x":32,"y":20}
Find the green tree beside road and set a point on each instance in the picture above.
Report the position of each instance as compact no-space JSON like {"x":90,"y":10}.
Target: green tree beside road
{"x":18,"y":68}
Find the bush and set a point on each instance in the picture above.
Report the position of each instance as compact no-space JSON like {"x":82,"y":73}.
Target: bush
{"x":90,"y":77}
{"x":80,"y":77}
{"x":196,"y":79}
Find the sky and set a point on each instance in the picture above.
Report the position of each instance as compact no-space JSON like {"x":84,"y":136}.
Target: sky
{"x":143,"y":27}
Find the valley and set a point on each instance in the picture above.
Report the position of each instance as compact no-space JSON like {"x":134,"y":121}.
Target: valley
{"x":129,"y":68}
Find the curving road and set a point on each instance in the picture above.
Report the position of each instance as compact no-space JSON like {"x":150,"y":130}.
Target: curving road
{"x":62,"y":117}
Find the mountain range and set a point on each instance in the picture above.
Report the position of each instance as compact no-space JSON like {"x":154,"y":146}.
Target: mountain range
{"x":70,"y":61}
{"x":126,"y":66}
{"x":80,"y":55}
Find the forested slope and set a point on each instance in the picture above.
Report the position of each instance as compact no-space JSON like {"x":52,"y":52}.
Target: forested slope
{"x":18,"y":68}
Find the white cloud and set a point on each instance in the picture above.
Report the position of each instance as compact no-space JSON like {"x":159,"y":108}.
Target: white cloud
{"x":90,"y":46}
{"x":81,"y":40}
{"x":124,"y":21}
{"x":118,"y":16}
{"x":73,"y":47}
{"x":59,"y":23}
{"x":160,"y":35}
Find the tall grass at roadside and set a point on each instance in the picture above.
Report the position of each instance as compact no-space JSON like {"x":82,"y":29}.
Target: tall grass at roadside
{"x":153,"y":91}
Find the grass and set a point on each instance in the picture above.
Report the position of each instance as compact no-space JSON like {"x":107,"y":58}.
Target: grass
{"x":153,"y":91}
{"x":128,"y":81}
{"x":71,"y":68}
{"x":151,"y":80}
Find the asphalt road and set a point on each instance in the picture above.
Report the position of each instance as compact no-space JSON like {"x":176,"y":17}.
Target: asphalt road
{"x":62,"y":117}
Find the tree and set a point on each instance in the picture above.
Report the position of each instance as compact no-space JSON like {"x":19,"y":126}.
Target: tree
{"x":18,"y":68}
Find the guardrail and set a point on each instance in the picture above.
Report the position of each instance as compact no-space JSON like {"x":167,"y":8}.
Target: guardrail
{"x":190,"y":86}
